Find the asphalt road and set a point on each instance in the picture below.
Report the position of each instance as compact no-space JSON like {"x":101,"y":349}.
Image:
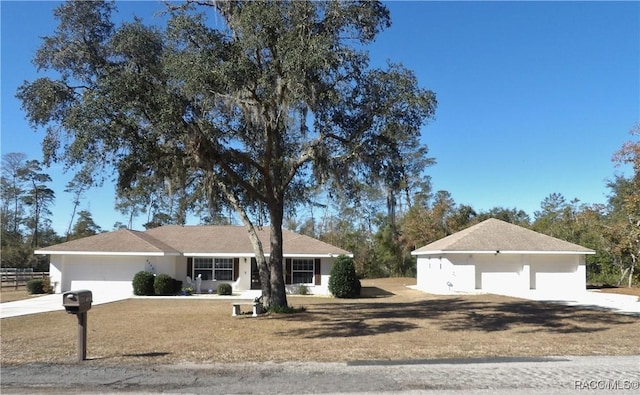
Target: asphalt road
{"x":552,"y":375}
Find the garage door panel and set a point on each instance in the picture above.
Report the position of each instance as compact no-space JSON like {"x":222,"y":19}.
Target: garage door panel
{"x":105,"y":290}
{"x":553,"y":282}
{"x":498,"y":281}
{"x":497,"y":275}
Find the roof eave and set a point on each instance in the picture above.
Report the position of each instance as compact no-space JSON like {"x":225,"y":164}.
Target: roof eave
{"x":105,"y":253}
{"x":523,"y":252}
{"x":251,"y":254}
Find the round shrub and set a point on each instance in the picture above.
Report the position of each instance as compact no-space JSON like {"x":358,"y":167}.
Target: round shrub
{"x":36,"y":286}
{"x":343,"y":282}
{"x":224,"y":289}
{"x":163,"y":285}
{"x":143,"y":283}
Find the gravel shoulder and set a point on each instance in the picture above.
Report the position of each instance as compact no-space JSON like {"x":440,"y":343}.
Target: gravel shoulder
{"x":487,"y":375}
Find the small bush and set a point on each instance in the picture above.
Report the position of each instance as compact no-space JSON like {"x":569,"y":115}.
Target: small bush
{"x":143,"y":283}
{"x":46,"y":285}
{"x":37,"y":286}
{"x":303,"y":290}
{"x":224,"y":289}
{"x":163,"y":284}
{"x":343,"y":282}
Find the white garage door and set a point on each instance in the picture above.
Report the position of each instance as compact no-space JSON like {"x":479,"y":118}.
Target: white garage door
{"x":498,"y":281}
{"x":497,"y":274}
{"x":108,"y":278}
{"x":105,"y":291}
{"x":554,"y":278}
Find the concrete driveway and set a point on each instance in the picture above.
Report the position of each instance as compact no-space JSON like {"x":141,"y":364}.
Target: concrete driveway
{"x":42,"y":304}
{"x":624,"y":304}
{"x":617,"y":303}
{"x":53,"y":302}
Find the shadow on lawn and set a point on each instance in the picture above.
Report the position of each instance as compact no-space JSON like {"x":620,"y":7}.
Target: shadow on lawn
{"x":374,"y":292}
{"x":451,"y":314}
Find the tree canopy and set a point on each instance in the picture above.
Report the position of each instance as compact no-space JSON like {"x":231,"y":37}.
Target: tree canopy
{"x":252,"y":113}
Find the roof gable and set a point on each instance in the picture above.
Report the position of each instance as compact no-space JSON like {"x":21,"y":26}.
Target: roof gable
{"x":494,"y":235}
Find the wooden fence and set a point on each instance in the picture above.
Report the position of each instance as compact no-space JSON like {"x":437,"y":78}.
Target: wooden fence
{"x":12,"y":277}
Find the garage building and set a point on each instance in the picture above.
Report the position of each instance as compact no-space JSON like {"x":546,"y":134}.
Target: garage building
{"x":498,"y":257}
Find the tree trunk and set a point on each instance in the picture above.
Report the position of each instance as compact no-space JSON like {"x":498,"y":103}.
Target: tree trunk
{"x":278,"y":292}
{"x":622,"y":276}
{"x":258,"y":250}
{"x":631,"y":270}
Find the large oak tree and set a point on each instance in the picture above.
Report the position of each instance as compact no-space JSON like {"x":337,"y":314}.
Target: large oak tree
{"x":248,"y":105}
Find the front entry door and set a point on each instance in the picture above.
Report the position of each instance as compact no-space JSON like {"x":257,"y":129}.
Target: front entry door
{"x":255,"y":275}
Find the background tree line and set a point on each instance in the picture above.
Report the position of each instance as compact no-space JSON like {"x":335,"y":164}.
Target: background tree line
{"x":249,"y":112}
{"x":381,"y":229}
{"x":25,"y":214}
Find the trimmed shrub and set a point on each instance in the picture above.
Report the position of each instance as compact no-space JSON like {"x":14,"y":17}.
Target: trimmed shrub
{"x":224,"y":289}
{"x":143,"y":283}
{"x":37,"y":286}
{"x":343,"y":282}
{"x":163,"y":284}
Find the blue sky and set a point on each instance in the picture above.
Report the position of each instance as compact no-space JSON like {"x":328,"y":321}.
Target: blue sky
{"x":534,"y":97}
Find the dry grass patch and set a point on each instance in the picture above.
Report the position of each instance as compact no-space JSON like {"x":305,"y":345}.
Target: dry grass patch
{"x":634,"y":291}
{"x":12,"y":294}
{"x":392,"y":322}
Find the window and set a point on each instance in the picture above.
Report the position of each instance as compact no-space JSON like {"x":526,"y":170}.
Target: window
{"x":223,"y":269}
{"x":204,"y":267}
{"x":302,"y":271}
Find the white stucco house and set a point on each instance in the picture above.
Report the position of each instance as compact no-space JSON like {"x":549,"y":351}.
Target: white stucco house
{"x":498,"y":257}
{"x":107,"y":262}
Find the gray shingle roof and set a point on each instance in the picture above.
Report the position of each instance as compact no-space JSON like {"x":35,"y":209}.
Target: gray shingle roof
{"x":234,"y":239}
{"x":495,"y":235}
{"x":177,"y":240}
{"x":122,"y":240}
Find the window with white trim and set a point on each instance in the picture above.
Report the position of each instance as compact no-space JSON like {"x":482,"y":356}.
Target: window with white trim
{"x":302,"y":271}
{"x":204,"y":267}
{"x":223,"y":269}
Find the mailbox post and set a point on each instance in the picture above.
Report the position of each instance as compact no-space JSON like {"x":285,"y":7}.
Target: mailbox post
{"x":78,"y":303}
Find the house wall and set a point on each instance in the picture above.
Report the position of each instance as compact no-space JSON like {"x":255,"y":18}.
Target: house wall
{"x":114,"y":274}
{"x":502,"y":273}
{"x":434,"y":274}
{"x":242,"y":282}
{"x":108,"y":275}
{"x":326,"y":264}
